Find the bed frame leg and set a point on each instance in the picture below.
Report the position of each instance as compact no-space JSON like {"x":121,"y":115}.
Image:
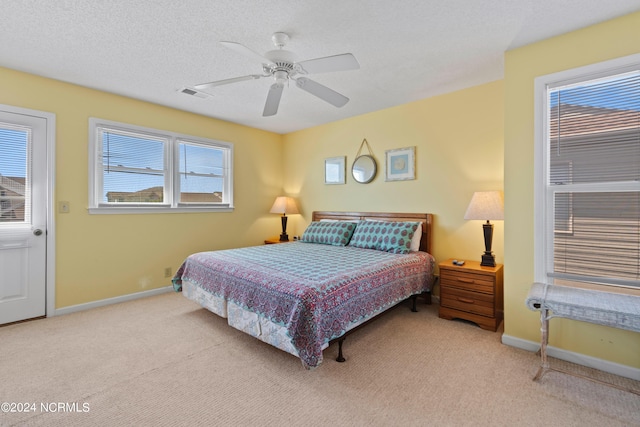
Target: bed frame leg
{"x":340,"y":357}
{"x":414,"y":307}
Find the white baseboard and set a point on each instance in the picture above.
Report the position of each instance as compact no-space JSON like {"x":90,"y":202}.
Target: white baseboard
{"x":577,"y":358}
{"x":109,"y":301}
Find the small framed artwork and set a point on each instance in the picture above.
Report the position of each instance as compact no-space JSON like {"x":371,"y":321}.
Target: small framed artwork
{"x":334,"y":170}
{"x":400,"y":164}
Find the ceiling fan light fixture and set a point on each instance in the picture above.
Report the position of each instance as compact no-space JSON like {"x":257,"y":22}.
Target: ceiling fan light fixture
{"x":281,"y":77}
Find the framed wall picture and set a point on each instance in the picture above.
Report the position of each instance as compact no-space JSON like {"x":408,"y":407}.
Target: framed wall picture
{"x":400,"y":164}
{"x":334,"y":170}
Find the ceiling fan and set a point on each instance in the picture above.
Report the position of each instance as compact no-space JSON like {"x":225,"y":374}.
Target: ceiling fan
{"x":282,"y":66}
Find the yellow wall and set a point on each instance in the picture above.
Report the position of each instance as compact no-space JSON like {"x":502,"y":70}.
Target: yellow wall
{"x":459,"y":150}
{"x":611,"y":39}
{"x":104,"y":256}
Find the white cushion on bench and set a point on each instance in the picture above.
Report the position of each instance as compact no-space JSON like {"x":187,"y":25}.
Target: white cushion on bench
{"x":603,"y":308}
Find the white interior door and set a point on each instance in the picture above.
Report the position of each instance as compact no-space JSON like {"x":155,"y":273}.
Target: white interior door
{"x":23,"y":215}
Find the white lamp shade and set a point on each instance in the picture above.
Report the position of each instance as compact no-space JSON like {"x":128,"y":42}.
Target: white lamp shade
{"x":486,"y":205}
{"x":284,"y":205}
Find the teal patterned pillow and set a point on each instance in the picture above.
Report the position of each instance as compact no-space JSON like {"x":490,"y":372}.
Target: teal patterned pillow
{"x":388,"y":236}
{"x":337,"y":233}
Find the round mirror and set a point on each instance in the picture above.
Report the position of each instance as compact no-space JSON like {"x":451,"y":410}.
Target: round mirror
{"x":364,"y":169}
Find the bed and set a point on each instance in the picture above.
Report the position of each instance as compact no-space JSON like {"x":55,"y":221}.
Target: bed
{"x":301,"y":296}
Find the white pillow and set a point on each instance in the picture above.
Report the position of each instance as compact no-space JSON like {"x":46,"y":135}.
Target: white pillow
{"x":415,"y":240}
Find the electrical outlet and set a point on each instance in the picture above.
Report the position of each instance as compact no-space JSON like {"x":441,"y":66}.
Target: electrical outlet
{"x":167,"y":272}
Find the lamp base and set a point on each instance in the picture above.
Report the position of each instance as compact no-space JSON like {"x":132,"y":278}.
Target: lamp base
{"x":488,"y":260}
{"x":284,"y":237}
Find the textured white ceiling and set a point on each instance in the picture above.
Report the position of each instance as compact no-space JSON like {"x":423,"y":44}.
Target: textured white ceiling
{"x":407,"y":49}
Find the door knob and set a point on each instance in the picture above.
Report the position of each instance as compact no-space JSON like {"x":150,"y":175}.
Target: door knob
{"x":37,"y":232}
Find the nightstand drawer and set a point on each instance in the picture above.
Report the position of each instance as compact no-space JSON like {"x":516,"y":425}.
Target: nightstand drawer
{"x":472,"y":302}
{"x":469,"y":281}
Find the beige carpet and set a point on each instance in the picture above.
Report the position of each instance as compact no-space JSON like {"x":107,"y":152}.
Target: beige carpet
{"x":163,"y":361}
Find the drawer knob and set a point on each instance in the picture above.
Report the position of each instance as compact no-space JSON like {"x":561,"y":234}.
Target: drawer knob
{"x":463,"y":280}
{"x":466,"y":300}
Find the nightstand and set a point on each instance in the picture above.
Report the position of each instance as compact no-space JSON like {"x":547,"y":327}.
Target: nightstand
{"x":472,"y":292}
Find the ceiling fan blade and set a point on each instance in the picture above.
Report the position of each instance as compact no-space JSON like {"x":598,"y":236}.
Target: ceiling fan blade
{"x":343,"y":62}
{"x":242,"y":49}
{"x":273,"y":100}
{"x":322,"y":92}
{"x":205,"y":86}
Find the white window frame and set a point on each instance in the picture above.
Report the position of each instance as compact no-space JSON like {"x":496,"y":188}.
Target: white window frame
{"x":171,"y":172}
{"x":543,"y":224}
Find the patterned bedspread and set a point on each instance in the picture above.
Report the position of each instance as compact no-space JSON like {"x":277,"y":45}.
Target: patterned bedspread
{"x":317,"y":292}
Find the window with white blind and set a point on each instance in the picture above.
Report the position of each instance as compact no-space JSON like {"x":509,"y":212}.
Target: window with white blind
{"x":15,"y":168}
{"x":590,"y":173}
{"x":141,"y":170}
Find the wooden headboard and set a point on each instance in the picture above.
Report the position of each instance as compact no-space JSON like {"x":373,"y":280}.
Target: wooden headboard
{"x":425,"y":218}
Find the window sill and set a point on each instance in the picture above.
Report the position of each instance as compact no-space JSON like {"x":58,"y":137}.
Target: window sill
{"x":151,"y":210}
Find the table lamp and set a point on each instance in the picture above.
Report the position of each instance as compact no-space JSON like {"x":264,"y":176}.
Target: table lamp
{"x":486,"y":205}
{"x":284,"y":205}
